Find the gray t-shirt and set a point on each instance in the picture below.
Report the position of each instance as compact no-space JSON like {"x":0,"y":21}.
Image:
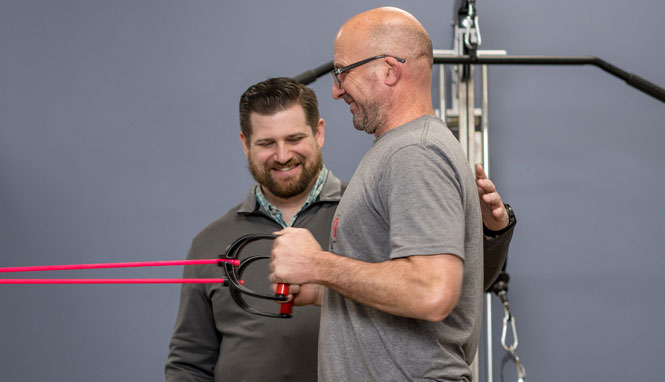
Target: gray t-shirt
{"x":412,"y":194}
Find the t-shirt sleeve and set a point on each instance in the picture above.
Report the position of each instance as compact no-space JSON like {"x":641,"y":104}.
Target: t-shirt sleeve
{"x":424,"y":200}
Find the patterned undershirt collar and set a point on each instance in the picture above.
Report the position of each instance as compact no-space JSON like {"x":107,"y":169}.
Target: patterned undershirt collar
{"x":276,"y":214}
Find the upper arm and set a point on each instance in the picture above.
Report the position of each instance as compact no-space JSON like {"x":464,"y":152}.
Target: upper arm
{"x":439,"y":280}
{"x":424,"y":203}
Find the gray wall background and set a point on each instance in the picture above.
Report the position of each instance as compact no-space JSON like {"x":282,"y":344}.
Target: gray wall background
{"x":119,"y":142}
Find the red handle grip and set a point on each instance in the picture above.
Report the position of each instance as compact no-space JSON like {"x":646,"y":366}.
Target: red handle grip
{"x":283,"y":290}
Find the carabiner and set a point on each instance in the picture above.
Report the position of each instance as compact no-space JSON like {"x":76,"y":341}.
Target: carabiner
{"x":508,"y":318}
{"x":521,"y":371}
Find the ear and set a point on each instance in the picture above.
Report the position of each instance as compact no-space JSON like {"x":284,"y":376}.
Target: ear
{"x":320,"y":132}
{"x":394,"y":71}
{"x":245,"y":144}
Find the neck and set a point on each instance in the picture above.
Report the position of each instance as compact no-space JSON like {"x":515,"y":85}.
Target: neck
{"x":405,"y":111}
{"x":411,"y":98}
{"x":289,"y":207}
{"x":292,"y":202}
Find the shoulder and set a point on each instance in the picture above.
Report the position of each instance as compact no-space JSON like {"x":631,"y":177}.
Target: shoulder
{"x":216,"y":236}
{"x":219,"y":225}
{"x":426,"y":133}
{"x":333,"y":189}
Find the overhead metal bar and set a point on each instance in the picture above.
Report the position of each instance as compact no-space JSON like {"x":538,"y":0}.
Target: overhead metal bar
{"x":631,"y":79}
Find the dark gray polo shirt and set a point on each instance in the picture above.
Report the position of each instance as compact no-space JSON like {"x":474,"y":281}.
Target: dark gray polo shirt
{"x":215,"y":340}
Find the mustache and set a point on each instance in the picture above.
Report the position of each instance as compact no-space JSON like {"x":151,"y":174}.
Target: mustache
{"x":274,"y":165}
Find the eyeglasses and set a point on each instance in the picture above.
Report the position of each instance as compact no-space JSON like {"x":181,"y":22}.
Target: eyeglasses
{"x":336,"y":72}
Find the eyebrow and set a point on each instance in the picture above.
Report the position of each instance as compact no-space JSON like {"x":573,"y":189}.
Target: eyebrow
{"x":295,"y":135}
{"x":337,"y":65}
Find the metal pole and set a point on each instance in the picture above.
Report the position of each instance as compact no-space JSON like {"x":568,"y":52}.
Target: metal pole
{"x":485,"y":121}
{"x":442,"y":93}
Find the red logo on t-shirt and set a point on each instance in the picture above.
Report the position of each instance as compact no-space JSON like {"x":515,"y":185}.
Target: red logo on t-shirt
{"x":334,"y":227}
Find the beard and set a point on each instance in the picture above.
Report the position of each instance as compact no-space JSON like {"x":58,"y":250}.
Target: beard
{"x":368,"y":117}
{"x":291,"y":187}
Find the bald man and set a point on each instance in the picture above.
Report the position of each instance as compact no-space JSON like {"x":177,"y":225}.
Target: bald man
{"x":401,"y":287}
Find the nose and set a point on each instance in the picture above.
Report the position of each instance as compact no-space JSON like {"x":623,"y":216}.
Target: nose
{"x":282,"y":154}
{"x":337,"y":91}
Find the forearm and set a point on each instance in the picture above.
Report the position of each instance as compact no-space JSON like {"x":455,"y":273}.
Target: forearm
{"x":194,"y":346}
{"x":423,"y":287}
{"x":307,"y":294}
{"x":495,"y":253}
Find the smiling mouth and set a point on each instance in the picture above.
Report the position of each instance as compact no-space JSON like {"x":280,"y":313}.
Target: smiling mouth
{"x":284,"y":169}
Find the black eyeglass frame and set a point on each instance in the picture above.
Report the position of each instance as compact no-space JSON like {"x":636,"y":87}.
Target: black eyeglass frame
{"x":338,"y":71}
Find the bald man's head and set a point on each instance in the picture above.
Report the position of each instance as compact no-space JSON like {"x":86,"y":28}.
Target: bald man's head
{"x":392,"y":85}
{"x":388,"y":30}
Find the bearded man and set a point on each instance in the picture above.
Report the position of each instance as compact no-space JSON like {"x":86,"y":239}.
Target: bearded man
{"x":214,"y":339}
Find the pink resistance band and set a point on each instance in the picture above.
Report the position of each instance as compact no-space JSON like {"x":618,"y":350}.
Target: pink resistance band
{"x":41,"y":268}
